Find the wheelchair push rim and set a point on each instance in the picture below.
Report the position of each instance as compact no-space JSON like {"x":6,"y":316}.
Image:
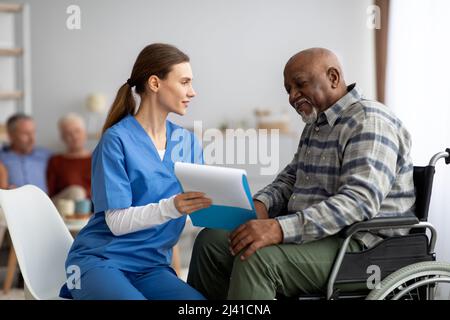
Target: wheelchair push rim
{"x":412,"y":277}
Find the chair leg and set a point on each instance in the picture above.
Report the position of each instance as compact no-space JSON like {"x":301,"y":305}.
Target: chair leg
{"x":11,"y":270}
{"x":176,"y":262}
{"x":2,"y":232}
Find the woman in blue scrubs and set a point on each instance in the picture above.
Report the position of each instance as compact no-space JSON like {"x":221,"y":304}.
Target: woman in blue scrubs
{"x":125,"y":250}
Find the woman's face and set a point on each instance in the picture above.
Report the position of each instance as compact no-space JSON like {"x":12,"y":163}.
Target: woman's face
{"x":176,"y":91}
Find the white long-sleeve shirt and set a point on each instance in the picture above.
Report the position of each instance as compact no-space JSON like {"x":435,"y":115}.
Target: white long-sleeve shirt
{"x":124,"y":221}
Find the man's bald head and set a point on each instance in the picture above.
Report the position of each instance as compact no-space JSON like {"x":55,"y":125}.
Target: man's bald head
{"x":314,"y":79}
{"x":318,"y":59}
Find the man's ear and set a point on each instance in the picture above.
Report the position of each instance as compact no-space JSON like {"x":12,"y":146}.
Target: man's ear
{"x":334,"y":77}
{"x":153,"y":83}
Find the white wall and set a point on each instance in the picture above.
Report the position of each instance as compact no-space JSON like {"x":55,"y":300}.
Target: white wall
{"x":238,"y":50}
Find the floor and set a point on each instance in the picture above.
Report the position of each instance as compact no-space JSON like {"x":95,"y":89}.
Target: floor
{"x":14,"y":294}
{"x":18,"y":294}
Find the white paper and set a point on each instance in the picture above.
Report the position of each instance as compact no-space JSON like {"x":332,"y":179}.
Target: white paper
{"x":222,"y":185}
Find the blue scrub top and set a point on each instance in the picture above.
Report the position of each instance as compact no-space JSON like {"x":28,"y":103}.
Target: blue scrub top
{"x":127,"y":171}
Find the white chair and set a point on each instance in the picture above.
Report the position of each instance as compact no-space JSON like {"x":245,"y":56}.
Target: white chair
{"x":40,"y":238}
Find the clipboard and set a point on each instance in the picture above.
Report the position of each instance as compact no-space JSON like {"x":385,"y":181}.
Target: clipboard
{"x":232,"y":203}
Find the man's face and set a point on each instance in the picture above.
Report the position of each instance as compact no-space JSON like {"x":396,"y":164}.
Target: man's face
{"x":23,"y":136}
{"x":308,"y":88}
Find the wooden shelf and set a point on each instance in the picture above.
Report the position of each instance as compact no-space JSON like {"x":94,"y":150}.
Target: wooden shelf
{"x":10,"y":7}
{"x":11,"y":95}
{"x":11,"y":52}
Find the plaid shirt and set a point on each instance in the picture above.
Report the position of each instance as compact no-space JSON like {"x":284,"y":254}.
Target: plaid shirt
{"x":351,"y":165}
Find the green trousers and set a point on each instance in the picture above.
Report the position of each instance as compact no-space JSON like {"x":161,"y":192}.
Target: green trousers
{"x":285,"y":269}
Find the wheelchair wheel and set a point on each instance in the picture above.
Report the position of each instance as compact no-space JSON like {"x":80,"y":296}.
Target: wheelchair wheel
{"x":417,"y":281}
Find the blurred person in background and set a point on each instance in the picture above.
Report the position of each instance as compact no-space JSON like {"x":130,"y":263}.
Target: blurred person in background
{"x":69,"y":173}
{"x":25,"y":163}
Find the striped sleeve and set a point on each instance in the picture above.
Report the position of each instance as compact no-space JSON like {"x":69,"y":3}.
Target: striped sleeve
{"x":367,"y":174}
{"x":276,"y":195}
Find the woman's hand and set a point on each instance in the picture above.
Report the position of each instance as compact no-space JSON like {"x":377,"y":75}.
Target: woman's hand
{"x":188,"y":202}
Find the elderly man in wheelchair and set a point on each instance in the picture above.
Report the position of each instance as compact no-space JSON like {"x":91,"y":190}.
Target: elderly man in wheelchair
{"x":349,"y":211}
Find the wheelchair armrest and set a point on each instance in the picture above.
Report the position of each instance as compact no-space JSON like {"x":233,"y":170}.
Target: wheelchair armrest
{"x":379,"y":223}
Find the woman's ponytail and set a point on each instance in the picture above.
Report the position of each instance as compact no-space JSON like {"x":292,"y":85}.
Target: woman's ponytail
{"x":123,"y":105}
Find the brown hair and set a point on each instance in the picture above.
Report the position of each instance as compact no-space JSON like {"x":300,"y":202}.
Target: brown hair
{"x":155,"y":59}
{"x":12,"y":121}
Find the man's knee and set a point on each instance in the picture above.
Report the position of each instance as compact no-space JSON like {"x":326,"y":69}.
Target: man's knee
{"x":211,"y":239}
{"x":258,"y":261}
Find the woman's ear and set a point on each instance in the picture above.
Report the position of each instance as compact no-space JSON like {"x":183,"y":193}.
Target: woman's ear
{"x":334,"y":77}
{"x":153,"y":83}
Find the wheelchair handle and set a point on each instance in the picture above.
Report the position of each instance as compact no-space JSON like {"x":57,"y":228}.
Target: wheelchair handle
{"x":440,"y":155}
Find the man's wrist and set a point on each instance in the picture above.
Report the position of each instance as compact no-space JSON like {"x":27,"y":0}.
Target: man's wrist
{"x":264,"y":199}
{"x":261,"y":210}
{"x":292,"y":227}
{"x":280,"y":232}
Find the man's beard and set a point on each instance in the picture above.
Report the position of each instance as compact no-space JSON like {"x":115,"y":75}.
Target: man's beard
{"x":309,"y":118}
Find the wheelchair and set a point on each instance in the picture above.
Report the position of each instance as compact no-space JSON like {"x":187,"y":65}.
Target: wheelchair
{"x":407,"y":264}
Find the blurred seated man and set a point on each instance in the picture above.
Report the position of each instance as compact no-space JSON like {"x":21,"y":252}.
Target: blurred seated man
{"x":25,"y":163}
{"x":69,"y":173}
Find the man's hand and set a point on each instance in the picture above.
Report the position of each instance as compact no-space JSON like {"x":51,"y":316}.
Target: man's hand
{"x":254,"y":235}
{"x":261,"y":210}
{"x":188,"y":202}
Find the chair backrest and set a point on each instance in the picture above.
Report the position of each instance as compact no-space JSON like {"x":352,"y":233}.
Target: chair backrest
{"x":423,"y":184}
{"x":40,"y":238}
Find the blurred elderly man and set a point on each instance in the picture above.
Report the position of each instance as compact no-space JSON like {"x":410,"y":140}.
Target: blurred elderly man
{"x":352,"y":163}
{"x":69,"y":173}
{"x":26,"y":163}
